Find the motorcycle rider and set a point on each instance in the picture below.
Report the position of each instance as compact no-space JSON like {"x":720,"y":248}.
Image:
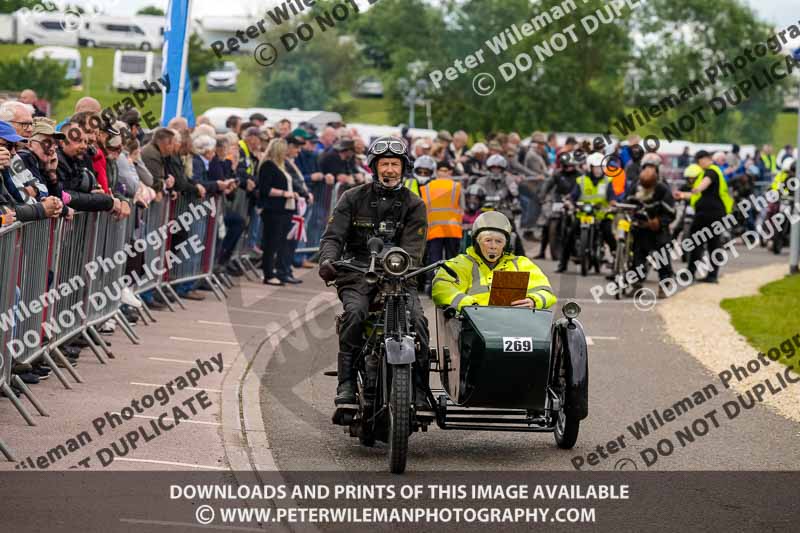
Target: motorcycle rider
{"x":424,"y":169}
{"x":502,"y":192}
{"x":651,"y":232}
{"x":383,"y":208}
{"x":594,"y":189}
{"x":474,"y":197}
{"x":488,"y":254}
{"x":561,"y":185}
{"x":788,"y":168}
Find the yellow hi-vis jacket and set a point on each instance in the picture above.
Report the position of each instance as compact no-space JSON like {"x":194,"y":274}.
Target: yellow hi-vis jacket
{"x":779,"y":183}
{"x":442,"y":199}
{"x":250,"y":169}
{"x":595,"y":194}
{"x":412,"y":184}
{"x":770,"y":162}
{"x":475,"y":280}
{"x":724,"y":195}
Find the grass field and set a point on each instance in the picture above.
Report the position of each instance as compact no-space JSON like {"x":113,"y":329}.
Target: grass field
{"x":97,"y":83}
{"x":771,"y":317}
{"x":785,"y":130}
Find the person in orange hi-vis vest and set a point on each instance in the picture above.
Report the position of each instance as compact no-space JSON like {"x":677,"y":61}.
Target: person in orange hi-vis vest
{"x":444,"y":203}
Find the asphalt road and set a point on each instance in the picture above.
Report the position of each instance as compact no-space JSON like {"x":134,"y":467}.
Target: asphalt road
{"x":634,"y":369}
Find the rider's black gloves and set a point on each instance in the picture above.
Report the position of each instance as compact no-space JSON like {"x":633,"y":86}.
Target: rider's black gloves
{"x":327,"y":271}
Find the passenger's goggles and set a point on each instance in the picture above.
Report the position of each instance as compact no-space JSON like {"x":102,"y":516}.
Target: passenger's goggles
{"x":395,"y":146}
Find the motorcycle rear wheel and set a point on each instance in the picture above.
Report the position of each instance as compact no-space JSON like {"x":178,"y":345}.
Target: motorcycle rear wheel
{"x":399,"y":418}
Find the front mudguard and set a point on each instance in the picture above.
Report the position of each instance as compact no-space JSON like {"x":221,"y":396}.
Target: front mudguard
{"x":569,"y":338}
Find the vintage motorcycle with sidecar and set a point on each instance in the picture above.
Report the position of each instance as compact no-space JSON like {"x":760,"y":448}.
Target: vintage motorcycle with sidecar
{"x":500,"y":368}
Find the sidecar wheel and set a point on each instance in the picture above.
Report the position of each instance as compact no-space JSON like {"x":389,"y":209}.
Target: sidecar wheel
{"x":566,"y":432}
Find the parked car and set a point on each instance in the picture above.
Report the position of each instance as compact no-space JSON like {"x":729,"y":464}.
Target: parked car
{"x":369,"y":87}
{"x":69,"y":57}
{"x":223,"y":79}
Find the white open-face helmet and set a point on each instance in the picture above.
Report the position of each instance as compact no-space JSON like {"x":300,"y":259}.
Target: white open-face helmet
{"x":497,"y":160}
{"x":595,"y":160}
{"x":425,"y":162}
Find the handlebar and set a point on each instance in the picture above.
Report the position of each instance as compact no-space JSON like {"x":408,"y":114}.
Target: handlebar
{"x":370,"y":271}
{"x":623,"y":207}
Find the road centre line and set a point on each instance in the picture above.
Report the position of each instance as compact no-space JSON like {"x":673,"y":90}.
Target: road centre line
{"x":153,"y":461}
{"x":212,"y":323}
{"x":182,"y":421}
{"x":242,"y":309}
{"x":182,"y":361}
{"x":204,"y":341}
{"x":187,"y":388}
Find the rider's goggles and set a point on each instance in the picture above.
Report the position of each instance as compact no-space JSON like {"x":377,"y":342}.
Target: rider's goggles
{"x":396,"y":147}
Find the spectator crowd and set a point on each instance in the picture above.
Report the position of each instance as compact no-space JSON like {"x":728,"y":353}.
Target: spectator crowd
{"x":279,"y":181}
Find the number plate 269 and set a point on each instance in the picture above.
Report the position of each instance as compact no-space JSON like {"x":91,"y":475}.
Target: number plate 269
{"x":517,"y":344}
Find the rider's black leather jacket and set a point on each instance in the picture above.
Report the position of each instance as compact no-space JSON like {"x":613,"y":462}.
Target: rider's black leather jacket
{"x":369,"y":210}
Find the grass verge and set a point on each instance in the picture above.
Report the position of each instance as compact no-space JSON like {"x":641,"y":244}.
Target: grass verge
{"x":771,"y":317}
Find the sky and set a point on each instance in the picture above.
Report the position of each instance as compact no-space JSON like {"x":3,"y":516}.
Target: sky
{"x":779,"y":12}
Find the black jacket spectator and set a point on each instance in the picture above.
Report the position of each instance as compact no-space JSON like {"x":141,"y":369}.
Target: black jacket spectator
{"x":272,"y":177}
{"x":78,"y":181}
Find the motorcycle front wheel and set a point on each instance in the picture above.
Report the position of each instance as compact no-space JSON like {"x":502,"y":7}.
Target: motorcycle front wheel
{"x":585,"y":252}
{"x":555,"y":238}
{"x":399,"y":417}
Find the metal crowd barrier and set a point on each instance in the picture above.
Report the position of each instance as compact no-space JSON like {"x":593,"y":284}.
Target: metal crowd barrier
{"x":240,"y":257}
{"x":46,"y":262}
{"x":104,"y":285}
{"x":197,"y":266}
{"x":39,"y":242}
{"x":24,"y":273}
{"x":153,"y":219}
{"x":9,"y":252}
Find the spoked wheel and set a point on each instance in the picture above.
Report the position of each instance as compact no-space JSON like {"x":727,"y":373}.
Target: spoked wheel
{"x":567,"y":427}
{"x":599,"y":255}
{"x":777,"y":243}
{"x":554,"y":236}
{"x":620,"y":261}
{"x":399,"y":418}
{"x":585,"y":253}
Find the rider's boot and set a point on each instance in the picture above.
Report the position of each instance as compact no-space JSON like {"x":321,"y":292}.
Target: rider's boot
{"x":345,"y":400}
{"x":345,"y":392}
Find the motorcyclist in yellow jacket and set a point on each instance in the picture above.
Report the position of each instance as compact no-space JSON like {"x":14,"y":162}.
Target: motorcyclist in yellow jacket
{"x":491,"y":233}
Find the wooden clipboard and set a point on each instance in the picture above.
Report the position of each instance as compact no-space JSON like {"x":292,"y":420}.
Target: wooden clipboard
{"x":508,"y":287}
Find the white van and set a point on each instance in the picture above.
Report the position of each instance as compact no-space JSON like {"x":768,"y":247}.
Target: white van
{"x":115,"y":32}
{"x":153,"y":27}
{"x":133,"y":69}
{"x":69,"y":57}
{"x":44,"y":28}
